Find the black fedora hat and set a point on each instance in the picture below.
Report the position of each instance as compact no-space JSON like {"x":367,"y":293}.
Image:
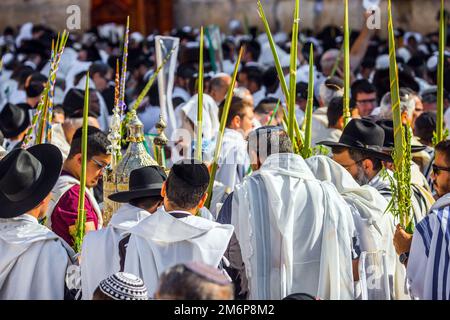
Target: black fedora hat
{"x":388,"y":145}
{"x":14,"y":119}
{"x":27,"y":177}
{"x":363,"y":135}
{"x":144,"y":182}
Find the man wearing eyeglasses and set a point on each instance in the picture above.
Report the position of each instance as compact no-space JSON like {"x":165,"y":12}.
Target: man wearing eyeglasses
{"x":62,"y":213}
{"x":426,"y":252}
{"x":365,"y":95}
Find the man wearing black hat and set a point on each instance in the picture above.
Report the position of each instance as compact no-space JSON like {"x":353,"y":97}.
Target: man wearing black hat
{"x":100,"y":252}
{"x":174,"y":233}
{"x":14,"y":122}
{"x":33,"y":260}
{"x":73,"y":111}
{"x":360,"y":151}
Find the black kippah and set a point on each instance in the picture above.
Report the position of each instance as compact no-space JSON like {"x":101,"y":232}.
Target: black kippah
{"x":191,"y":171}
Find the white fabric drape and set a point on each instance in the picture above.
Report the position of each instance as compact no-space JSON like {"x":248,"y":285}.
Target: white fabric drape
{"x":100,"y":251}
{"x":161,"y":241}
{"x":294,"y":231}
{"x":33,"y":261}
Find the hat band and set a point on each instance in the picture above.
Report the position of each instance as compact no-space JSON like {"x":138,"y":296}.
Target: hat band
{"x":352,"y":142}
{"x":145,"y":186}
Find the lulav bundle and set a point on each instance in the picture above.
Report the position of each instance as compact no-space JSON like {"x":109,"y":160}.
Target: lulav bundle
{"x":306,"y":150}
{"x":81,"y":219}
{"x":401,"y":205}
{"x":41,"y":123}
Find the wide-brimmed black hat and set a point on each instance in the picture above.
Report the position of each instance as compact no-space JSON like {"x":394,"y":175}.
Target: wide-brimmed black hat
{"x":388,"y":145}
{"x":363,"y":135}
{"x":14,"y":119}
{"x":27,"y":177}
{"x":144,"y":182}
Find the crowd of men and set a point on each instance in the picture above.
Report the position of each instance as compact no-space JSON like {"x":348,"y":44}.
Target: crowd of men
{"x":279,"y":224}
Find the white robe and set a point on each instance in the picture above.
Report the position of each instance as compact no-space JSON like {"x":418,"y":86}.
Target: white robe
{"x":428,"y":263}
{"x":375,"y":228}
{"x":100,"y":252}
{"x":59,"y":140}
{"x":161,"y":241}
{"x":234,"y":160}
{"x":33,"y":261}
{"x":294,"y":231}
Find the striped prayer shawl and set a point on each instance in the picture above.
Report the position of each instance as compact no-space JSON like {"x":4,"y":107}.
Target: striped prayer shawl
{"x":433,"y":239}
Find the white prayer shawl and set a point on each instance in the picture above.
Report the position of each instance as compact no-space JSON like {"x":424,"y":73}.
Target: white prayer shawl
{"x":76,"y":68}
{"x":59,"y":140}
{"x":100,"y":251}
{"x":161,"y":241}
{"x":326,"y":134}
{"x":210,"y":115}
{"x":233,"y":160}
{"x":103,"y":118}
{"x":294,"y":231}
{"x":64,"y":183}
{"x":258,"y":96}
{"x":179,"y":92}
{"x":428,"y":263}
{"x":33,"y":261}
{"x":375,"y":228}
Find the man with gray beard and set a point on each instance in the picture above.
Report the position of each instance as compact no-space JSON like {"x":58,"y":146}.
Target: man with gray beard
{"x":359,"y":150}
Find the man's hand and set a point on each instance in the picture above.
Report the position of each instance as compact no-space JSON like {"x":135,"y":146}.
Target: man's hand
{"x":402,"y":240}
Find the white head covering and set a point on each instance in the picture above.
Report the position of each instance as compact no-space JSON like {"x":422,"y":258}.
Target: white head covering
{"x":404,"y":54}
{"x":367,"y":200}
{"x":24,"y":33}
{"x":266,"y":57}
{"x":382,"y":62}
{"x":210,"y":115}
{"x":137,"y":36}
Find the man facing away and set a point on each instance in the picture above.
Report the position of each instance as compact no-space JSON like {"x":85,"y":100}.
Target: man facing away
{"x":174,"y":233}
{"x":101,"y":256}
{"x":62,"y":213}
{"x":34,"y":260}
{"x":294,"y":231}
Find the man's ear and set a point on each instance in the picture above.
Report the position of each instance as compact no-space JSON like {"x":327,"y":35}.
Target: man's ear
{"x":163,"y":190}
{"x":77,"y":158}
{"x":341,"y":122}
{"x":405,"y":117}
{"x":202,"y":201}
{"x":236,"y":122}
{"x":367,"y":165}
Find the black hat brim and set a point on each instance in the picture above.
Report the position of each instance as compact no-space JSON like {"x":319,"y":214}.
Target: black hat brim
{"x":126,"y":196}
{"x":373,"y":153}
{"x":414,"y":149}
{"x":52,"y":162}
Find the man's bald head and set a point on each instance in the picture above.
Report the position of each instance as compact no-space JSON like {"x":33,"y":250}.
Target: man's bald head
{"x":219,"y":85}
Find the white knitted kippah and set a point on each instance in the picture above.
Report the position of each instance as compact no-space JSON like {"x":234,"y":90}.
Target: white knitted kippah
{"x":124,"y":286}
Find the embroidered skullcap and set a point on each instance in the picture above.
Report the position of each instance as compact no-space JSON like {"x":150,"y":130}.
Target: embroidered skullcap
{"x":124,"y":286}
